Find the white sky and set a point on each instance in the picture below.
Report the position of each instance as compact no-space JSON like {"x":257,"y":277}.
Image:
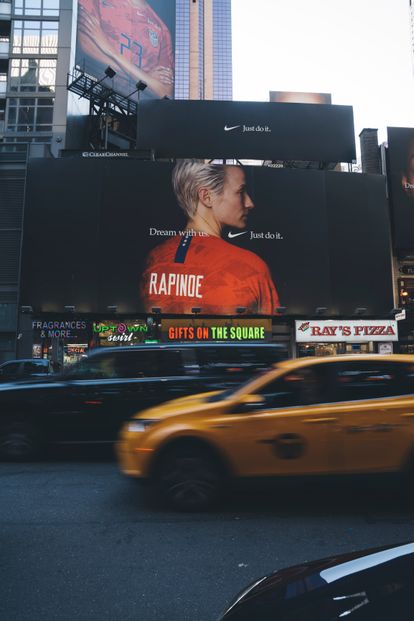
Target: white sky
{"x":357,"y":50}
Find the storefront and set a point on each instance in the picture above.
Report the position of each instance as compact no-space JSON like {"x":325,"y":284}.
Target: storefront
{"x":335,"y":337}
{"x":65,"y":340}
{"x":406,"y":333}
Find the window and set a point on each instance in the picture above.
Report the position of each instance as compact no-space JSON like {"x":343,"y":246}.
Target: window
{"x":406,"y":379}
{"x":299,"y":387}
{"x":137,"y":364}
{"x":33,"y":75}
{"x":29,"y":114}
{"x":148,"y":363}
{"x":365,"y":380}
{"x":35,"y":37}
{"x":49,"y":8}
{"x":235,"y":359}
{"x":10,"y":370}
{"x":170,"y":362}
{"x":36,"y":366}
{"x":96,"y":367}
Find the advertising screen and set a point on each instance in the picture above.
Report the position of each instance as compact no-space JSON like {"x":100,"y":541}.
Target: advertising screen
{"x":401,"y":185}
{"x":203,"y":239}
{"x":134,"y":38}
{"x":300,"y":97}
{"x":261,"y":130}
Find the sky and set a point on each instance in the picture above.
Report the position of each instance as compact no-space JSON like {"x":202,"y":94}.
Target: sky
{"x":357,"y":50}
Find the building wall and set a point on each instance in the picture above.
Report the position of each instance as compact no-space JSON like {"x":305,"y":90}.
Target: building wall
{"x":37,"y":39}
{"x":222,"y":52}
{"x":30,"y":68}
{"x":412,"y":29}
{"x":13,"y":159}
{"x":203,"y":50}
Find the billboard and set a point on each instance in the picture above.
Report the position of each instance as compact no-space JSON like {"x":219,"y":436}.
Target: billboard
{"x":135,"y":39}
{"x":111,"y":232}
{"x":401,"y":185}
{"x":248,"y":130}
{"x":299,"y":97}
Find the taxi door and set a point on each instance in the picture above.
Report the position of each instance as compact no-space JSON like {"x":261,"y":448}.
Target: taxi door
{"x":376,"y":421}
{"x":289,"y":431}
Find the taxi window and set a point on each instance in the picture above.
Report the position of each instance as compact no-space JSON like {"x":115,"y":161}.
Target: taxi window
{"x":407,"y":379}
{"x":365,"y":380}
{"x":295,"y":388}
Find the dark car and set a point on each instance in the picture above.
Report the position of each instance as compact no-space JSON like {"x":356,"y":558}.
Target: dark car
{"x":15,"y":370}
{"x":369,"y":585}
{"x":89,"y":402}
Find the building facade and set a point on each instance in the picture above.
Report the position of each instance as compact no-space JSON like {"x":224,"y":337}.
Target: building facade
{"x":37,"y":52}
{"x":412,"y":29}
{"x":37,"y":40}
{"x":203,"y":50}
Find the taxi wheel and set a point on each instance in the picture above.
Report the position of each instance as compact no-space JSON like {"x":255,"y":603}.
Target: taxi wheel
{"x":188,"y":478}
{"x":18,"y":442}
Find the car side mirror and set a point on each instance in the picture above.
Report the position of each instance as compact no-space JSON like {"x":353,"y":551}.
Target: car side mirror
{"x":248,"y":403}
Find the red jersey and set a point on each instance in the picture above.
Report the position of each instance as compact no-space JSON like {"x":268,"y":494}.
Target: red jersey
{"x":137,"y":34}
{"x":209,"y":273}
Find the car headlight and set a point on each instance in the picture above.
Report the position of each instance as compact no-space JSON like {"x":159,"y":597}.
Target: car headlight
{"x":138,"y":426}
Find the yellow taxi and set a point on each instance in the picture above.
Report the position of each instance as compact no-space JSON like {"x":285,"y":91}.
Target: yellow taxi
{"x":309,"y":416}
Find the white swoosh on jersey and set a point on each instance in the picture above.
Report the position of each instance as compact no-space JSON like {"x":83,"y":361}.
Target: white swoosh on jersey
{"x":228,"y":129}
{"x":231,"y":235}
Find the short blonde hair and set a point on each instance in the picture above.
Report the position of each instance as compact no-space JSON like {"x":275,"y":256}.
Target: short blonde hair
{"x":189,"y":176}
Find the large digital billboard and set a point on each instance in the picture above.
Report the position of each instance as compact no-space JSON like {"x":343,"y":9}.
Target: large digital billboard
{"x":135,"y":38}
{"x":248,"y":130}
{"x":200,"y":239}
{"x":401,"y":185}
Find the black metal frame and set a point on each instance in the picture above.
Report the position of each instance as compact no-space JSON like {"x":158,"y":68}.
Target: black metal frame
{"x":102,"y":99}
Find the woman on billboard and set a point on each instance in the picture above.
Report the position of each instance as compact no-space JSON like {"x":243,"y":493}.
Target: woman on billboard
{"x":131,"y":38}
{"x":199,"y":269}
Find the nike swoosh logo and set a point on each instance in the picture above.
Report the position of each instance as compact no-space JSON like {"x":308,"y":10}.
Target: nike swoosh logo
{"x":231,"y":235}
{"x":228,"y":129}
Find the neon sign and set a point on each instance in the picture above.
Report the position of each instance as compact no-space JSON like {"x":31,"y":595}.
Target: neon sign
{"x":122,"y":332}
{"x":235,"y":330}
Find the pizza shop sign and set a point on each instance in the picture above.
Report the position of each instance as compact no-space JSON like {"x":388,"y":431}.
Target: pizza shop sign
{"x":361,"y":331}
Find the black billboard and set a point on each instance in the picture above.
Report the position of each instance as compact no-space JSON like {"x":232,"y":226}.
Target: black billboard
{"x":247,"y":130}
{"x":400,"y":167}
{"x":110,"y":233}
{"x":136,"y":42}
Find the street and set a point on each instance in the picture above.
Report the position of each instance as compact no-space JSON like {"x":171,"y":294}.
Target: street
{"x":79,"y":541}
